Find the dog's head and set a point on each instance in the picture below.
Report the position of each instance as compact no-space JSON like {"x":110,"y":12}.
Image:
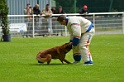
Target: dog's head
{"x":67,"y":47}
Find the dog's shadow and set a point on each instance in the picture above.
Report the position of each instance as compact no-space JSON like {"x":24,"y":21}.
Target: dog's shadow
{"x":52,"y":64}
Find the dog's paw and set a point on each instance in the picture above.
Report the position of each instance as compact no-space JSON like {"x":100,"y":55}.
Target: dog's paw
{"x":69,"y":63}
{"x":40,"y":62}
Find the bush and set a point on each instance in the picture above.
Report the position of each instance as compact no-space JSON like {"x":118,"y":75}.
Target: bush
{"x":4,"y":16}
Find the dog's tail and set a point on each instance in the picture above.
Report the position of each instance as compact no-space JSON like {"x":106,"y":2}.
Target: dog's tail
{"x":46,"y":59}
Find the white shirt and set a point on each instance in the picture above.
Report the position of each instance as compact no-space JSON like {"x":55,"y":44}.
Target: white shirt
{"x":77,"y":25}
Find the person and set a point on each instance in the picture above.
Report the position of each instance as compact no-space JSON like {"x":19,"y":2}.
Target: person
{"x":84,"y":10}
{"x":28,"y":11}
{"x":46,"y":11}
{"x":28,"y":19}
{"x":54,"y":19}
{"x":81,"y":32}
{"x":53,"y":10}
{"x":46,"y":20}
{"x":36,"y":11}
{"x":60,"y":10}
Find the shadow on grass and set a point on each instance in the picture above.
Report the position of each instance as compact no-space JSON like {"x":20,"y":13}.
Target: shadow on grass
{"x":52,"y":64}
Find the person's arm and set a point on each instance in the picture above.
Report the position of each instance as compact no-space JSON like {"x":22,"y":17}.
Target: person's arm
{"x":81,"y":11}
{"x":47,"y":14}
{"x":39,"y":11}
{"x":43,"y":11}
{"x":71,"y":36}
{"x":63,"y":12}
{"x":50,"y":12}
{"x":76,"y":30}
{"x":34,"y":11}
{"x":88,"y":11}
{"x":25,"y":12}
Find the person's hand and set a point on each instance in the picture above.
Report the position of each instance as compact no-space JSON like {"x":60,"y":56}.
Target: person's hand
{"x":42,"y":13}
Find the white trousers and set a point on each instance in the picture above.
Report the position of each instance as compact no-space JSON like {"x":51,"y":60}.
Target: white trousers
{"x":83,"y":47}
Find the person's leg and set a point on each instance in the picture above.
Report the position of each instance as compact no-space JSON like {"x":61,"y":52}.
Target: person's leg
{"x":76,"y":54}
{"x":84,"y":47}
{"x":25,"y":33}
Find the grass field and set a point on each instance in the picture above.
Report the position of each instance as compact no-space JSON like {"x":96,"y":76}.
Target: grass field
{"x":18,"y":64}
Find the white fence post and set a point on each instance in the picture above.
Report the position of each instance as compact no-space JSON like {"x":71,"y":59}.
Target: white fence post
{"x":94,"y":20}
{"x":33,"y":27}
{"x":50,"y":30}
{"x":123,"y":23}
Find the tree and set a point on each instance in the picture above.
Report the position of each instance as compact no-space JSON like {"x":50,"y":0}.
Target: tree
{"x":93,"y":5}
{"x":4,"y":16}
{"x":4,"y":21}
{"x":67,"y":5}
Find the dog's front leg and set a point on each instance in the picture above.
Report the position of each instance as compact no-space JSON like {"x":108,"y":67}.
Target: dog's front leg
{"x":61,"y":61}
{"x":67,"y":61}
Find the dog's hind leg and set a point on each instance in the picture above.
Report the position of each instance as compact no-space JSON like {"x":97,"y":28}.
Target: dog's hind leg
{"x":41,"y":60}
{"x":48,"y":59}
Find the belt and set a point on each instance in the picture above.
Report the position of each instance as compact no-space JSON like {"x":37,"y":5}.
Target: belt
{"x":90,"y":27}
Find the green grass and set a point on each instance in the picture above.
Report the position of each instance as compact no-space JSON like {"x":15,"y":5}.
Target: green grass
{"x":18,"y":64}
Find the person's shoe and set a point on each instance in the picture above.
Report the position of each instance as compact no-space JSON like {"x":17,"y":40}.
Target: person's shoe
{"x":88,"y":63}
{"x":75,"y":62}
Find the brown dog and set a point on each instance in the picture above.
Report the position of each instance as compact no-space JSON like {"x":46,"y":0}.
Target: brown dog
{"x":57,"y":52}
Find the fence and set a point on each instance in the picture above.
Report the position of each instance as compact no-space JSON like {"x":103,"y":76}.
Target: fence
{"x":105,"y":23}
{"x":16,"y":7}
